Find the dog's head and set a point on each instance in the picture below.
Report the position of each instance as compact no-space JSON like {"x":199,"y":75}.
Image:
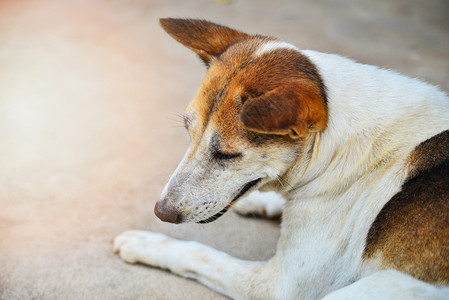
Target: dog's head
{"x":259,"y":100}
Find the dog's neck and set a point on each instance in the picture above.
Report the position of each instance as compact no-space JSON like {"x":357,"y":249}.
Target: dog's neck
{"x":368,"y":133}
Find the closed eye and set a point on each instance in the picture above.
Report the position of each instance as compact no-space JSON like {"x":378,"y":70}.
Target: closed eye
{"x":226,"y":156}
{"x":216,"y":150}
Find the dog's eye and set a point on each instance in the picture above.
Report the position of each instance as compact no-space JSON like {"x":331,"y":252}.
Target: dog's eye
{"x":226,"y":156}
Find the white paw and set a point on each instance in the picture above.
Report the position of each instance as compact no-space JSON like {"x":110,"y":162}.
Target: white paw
{"x":265,"y":204}
{"x":139,"y":246}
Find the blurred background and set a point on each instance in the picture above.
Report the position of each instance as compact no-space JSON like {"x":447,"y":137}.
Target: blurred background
{"x":90,"y":96}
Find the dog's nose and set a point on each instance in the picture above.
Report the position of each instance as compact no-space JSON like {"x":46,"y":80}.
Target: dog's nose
{"x":167,"y":212}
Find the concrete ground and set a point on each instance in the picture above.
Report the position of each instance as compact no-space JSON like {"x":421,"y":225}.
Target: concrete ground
{"x":90,"y":93}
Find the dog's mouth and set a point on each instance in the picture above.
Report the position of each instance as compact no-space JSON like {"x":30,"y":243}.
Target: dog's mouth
{"x":243,"y":191}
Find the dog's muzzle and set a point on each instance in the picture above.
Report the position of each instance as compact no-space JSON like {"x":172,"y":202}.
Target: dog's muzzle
{"x":242,"y":192}
{"x":167,"y":212}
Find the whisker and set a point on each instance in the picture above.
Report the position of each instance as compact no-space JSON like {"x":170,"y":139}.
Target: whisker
{"x":178,"y":118}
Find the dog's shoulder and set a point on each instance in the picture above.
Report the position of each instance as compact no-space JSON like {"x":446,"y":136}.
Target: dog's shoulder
{"x":410,"y":233}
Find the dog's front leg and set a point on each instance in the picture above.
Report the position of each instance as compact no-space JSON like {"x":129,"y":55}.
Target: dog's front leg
{"x":221,"y":272}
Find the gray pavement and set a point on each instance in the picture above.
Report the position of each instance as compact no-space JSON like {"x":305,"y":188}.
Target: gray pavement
{"x":90,"y":93}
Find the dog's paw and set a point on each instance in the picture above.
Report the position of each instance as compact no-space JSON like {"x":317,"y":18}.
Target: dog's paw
{"x":265,"y":204}
{"x":135,"y":246}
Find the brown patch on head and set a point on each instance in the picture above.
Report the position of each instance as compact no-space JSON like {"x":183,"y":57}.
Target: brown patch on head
{"x":411,"y":232}
{"x":278,"y":92}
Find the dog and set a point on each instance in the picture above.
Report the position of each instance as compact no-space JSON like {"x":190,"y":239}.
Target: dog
{"x":359,"y":154}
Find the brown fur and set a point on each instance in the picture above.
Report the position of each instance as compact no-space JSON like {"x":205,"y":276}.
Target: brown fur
{"x":411,"y":233}
{"x":205,"y":38}
{"x":429,"y":154}
{"x":296,"y":109}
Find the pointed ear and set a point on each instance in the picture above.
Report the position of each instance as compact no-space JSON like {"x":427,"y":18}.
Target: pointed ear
{"x":205,"y":38}
{"x":296,"y":109}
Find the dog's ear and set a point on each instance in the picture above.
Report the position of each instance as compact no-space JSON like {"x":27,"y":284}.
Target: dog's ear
{"x":205,"y":38}
{"x":296,"y":108}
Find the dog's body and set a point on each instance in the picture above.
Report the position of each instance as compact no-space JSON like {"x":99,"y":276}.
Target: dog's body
{"x":360,"y":154}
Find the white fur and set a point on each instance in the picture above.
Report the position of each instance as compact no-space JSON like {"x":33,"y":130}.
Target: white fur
{"x":389,"y":285}
{"x":376,"y":118}
{"x":274,"y":45}
{"x":269,"y":204}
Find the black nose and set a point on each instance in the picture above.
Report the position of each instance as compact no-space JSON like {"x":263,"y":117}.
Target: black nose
{"x":167,"y":212}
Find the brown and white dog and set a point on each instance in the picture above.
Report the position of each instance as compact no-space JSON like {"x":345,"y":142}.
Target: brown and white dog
{"x":360,"y":155}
